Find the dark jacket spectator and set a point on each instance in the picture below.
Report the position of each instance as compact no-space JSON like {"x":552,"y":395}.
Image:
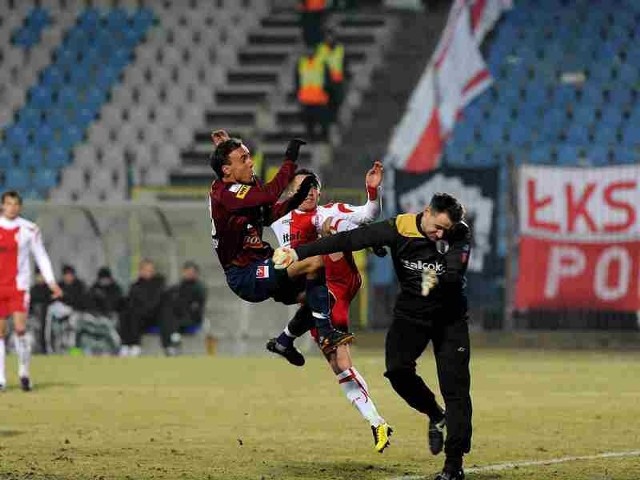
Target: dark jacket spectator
{"x":142,"y":307}
{"x":183,"y":307}
{"x":105,"y":295}
{"x":40,"y":294}
{"x":74,"y":290}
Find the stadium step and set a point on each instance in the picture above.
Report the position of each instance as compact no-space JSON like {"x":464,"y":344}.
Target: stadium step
{"x":254,"y":57}
{"x":230,"y":118}
{"x":252,"y":76}
{"x":237,"y":96}
{"x":288,"y":20}
{"x":270,"y":37}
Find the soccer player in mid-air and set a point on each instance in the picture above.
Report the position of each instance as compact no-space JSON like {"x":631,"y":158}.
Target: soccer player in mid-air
{"x":430,"y":252}
{"x":304,"y":225}
{"x":19,"y":238}
{"x":240,"y":206}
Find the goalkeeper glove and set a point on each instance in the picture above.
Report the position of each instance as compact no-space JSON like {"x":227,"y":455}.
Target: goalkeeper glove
{"x":293,"y":149}
{"x":283,"y":257}
{"x":429,"y":281}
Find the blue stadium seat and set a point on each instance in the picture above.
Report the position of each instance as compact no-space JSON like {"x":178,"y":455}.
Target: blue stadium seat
{"x":30,"y":157}
{"x":584,"y":115}
{"x":611,"y":116}
{"x":626,"y":156}
{"x":577,"y":133}
{"x":621,"y":96}
{"x":29,"y":118}
{"x":605,"y":134}
{"x":44,"y":137}
{"x":631,"y":135}
{"x":568,"y":154}
{"x":541,"y":154}
{"x":56,"y":157}
{"x":6,"y":157}
{"x":597,"y":155}
{"x":16,"y":137}
{"x":52,"y":78}
{"x":17,"y":179}
{"x":519,"y":135}
{"x":45,"y":178}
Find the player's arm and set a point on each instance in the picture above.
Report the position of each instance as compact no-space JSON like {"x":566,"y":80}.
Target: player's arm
{"x":372,"y":235}
{"x":368,"y":212}
{"x":44,"y":263}
{"x":280,"y":209}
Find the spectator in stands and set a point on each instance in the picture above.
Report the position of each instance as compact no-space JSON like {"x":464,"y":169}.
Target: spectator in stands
{"x":312,"y":17}
{"x":142,"y":307}
{"x":183,"y":308}
{"x":40,"y":299}
{"x":74,"y":290}
{"x":311,"y":82}
{"x":332,"y":53}
{"x":105,"y":295}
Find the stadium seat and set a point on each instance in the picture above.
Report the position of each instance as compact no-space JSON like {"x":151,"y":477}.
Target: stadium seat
{"x":17,"y":179}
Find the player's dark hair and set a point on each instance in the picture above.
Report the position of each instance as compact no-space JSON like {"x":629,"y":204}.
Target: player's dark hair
{"x":310,"y":173}
{"x":220,"y":156}
{"x":445,"y":203}
{"x":11,"y":194}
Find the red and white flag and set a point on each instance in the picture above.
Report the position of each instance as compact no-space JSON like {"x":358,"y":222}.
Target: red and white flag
{"x":454,"y":76}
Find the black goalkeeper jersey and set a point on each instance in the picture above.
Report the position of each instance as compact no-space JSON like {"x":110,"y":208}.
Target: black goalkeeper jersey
{"x":412,"y":252}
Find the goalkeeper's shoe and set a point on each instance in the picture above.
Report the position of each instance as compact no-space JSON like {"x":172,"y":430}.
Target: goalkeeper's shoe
{"x":333,"y":340}
{"x":381,"y":435}
{"x":25,"y":384}
{"x":2,"y":387}
{"x":450,"y":475}
{"x":291,"y":353}
{"x":436,"y":435}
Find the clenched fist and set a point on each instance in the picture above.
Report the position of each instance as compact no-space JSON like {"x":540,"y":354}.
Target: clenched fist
{"x":429,"y":281}
{"x":283,"y":257}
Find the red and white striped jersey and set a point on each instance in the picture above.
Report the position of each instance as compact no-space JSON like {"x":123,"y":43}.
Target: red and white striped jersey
{"x":18,"y":238}
{"x":298,"y":227}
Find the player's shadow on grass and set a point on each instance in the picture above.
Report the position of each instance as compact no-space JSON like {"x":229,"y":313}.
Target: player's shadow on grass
{"x":352,"y":470}
{"x":47,"y":385}
{"x":10,"y":433}
{"x":366,"y":471}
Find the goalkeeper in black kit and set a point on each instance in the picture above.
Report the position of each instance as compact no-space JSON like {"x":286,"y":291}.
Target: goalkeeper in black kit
{"x":430,"y":252}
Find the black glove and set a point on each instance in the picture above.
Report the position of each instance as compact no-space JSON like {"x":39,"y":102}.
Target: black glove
{"x":379,"y":251}
{"x":459,"y":231}
{"x":293,"y":149}
{"x":303,"y":190}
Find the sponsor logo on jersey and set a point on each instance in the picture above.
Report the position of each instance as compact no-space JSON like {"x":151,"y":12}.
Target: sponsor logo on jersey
{"x":291,"y":237}
{"x":262,"y":271}
{"x":419,"y":266}
{"x":442,"y":246}
{"x":242,"y":191}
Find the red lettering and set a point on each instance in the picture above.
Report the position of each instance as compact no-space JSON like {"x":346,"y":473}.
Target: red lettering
{"x":577,"y":208}
{"x":535,"y":205}
{"x":617,"y":204}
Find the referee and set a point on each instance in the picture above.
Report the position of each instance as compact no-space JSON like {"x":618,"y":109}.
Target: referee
{"x":430,"y":252}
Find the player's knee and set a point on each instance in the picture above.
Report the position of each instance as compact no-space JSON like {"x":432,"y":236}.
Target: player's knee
{"x":315,"y":267}
{"x":401,"y":378}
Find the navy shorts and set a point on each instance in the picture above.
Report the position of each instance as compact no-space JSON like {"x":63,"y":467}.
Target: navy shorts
{"x":260,"y":281}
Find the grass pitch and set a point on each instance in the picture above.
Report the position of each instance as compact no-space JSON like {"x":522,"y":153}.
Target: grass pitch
{"x":259,"y":418}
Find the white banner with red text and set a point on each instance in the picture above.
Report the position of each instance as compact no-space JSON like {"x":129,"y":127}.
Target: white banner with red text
{"x":579,"y":238}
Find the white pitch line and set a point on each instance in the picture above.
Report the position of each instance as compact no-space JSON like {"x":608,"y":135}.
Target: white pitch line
{"x":531,"y":463}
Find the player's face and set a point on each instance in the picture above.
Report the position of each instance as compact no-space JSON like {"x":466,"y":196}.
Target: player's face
{"x":240,"y":167}
{"x":11,"y":208}
{"x":311,"y":202}
{"x":435,"y":225}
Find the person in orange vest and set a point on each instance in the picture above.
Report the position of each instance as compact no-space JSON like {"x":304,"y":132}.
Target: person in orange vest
{"x":333,"y":55}
{"x":311,"y":82}
{"x":312,"y":18}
